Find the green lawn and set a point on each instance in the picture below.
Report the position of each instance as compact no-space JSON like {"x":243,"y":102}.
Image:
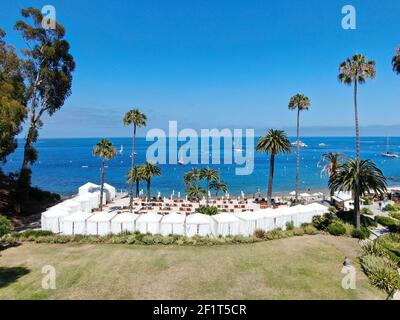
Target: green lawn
{"x":295,"y":268}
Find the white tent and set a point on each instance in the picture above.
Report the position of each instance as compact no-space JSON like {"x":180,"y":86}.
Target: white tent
{"x":270,"y":216}
{"x":85,"y":202}
{"x":173,"y":223}
{"x":198,"y":224}
{"x":88,"y":187}
{"x":72,"y":205}
{"x":51,"y":220}
{"x":124,"y":222}
{"x":305,"y":195}
{"x":75,"y":223}
{"x":94,"y":199}
{"x":149,"y":223}
{"x":288,"y":214}
{"x":226,"y":224}
{"x":100,"y":223}
{"x":250,"y":222}
{"x":110,"y":192}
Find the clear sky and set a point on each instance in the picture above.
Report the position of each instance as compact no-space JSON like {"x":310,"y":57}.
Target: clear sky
{"x":218,"y":63}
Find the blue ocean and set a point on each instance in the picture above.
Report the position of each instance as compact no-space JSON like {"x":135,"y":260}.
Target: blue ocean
{"x":66,"y":164}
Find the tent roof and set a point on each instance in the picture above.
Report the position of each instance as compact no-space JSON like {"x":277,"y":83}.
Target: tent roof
{"x":102,"y":216}
{"x":125,"y":217}
{"x":78,"y":216}
{"x":198,"y":218}
{"x":226,"y":217}
{"x":70,"y":203}
{"x":56,"y":212}
{"x":305,"y":195}
{"x":108,"y":186}
{"x":173,"y":218}
{"x":317,"y":206}
{"x":150,"y":217}
{"x":89,"y":185}
{"x":250,"y":216}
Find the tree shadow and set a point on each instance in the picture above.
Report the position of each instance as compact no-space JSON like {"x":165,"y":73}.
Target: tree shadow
{"x":10,"y":275}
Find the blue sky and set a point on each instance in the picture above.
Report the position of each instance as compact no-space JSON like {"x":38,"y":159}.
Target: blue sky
{"x":219,"y":63}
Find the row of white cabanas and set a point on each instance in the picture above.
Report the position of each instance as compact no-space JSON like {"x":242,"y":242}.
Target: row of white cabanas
{"x":224,"y":224}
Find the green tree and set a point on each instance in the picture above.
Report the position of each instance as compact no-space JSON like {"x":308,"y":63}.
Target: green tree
{"x":12,"y":99}
{"x":138,"y":119}
{"x":48,"y":70}
{"x":150,"y":170}
{"x":396,"y":61}
{"x":195,"y":192}
{"x":218,"y":185}
{"x":135,"y":175}
{"x":209,"y":175}
{"x":359,"y":178}
{"x":354,"y":71}
{"x":105,"y":150}
{"x":191,"y":178}
{"x":332,"y":161}
{"x":273,"y":143}
{"x":298,"y":102}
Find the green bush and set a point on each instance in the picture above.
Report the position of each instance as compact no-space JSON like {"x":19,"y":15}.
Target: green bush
{"x":5,"y":225}
{"x":322,"y":222}
{"x":332,"y":209}
{"x":395,"y":215}
{"x":368,"y":201}
{"x":208,"y":210}
{"x":289,"y":225}
{"x":386,"y":221}
{"x":309,"y":229}
{"x":259,"y":233}
{"x":275,"y":234}
{"x":367,"y":211}
{"x":336,"y":228}
{"x":389,"y":207}
{"x":360,"y":233}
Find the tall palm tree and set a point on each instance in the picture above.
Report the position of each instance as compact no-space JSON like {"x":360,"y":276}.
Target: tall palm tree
{"x":150,"y":170}
{"x":138,"y":119}
{"x":135,"y":175}
{"x":396,"y":61}
{"x":191,"y":177}
{"x":105,"y":150}
{"x":274,"y":142}
{"x":218,"y":185}
{"x":209,"y":175}
{"x":332,"y":162}
{"x":353,"y":71}
{"x":195,"y":192}
{"x":298,"y":102}
{"x":359,"y":178}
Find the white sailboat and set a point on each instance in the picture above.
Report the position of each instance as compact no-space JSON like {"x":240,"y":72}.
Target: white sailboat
{"x":121,"y":149}
{"x":301,"y":144}
{"x":388,"y":154}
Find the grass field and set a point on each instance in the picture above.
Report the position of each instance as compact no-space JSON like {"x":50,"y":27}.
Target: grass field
{"x":295,"y":268}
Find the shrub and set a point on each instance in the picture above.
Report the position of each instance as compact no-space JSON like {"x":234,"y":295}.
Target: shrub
{"x":385,"y":221}
{"x":298,"y":232}
{"x":289,"y":225}
{"x":389,"y":207}
{"x":5,"y":225}
{"x":360,"y":233}
{"x":367,"y":211}
{"x":395,"y":215}
{"x":322,"y":222}
{"x":368,"y":201}
{"x":336,"y":228}
{"x":259,"y":233}
{"x":309,"y":229}
{"x":275,"y":234}
{"x":332,"y":209}
{"x":34,"y":233}
{"x":208,"y":210}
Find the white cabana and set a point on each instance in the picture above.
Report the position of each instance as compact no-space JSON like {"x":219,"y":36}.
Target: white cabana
{"x":124,"y":222}
{"x":88,"y":187}
{"x":72,"y":205}
{"x":270,"y":216}
{"x":305,"y":195}
{"x":100,"y":223}
{"x":51,"y":220}
{"x":250,"y":222}
{"x":110,"y":192}
{"x":149,"y":223}
{"x":226,"y":224}
{"x":75,"y":223}
{"x":85,"y":202}
{"x":173,"y":223}
{"x":94,"y":199}
{"x":317,"y":209}
{"x":198,"y":224}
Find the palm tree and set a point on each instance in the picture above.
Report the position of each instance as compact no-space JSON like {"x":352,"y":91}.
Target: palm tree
{"x":274,"y":142}
{"x":218,"y":185}
{"x":332,"y":163}
{"x":356,"y":70}
{"x":191,"y":177}
{"x":196,"y":192}
{"x":359,"y":178}
{"x":135,"y":175}
{"x":209,"y":175}
{"x":105,"y":150}
{"x":150,"y":170}
{"x":396,"y":61}
{"x":299,"y":102}
{"x":138,"y":119}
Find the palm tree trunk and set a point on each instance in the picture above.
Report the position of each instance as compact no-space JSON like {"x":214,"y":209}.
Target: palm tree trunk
{"x":137,"y":188}
{"x":357,"y":191}
{"x":298,"y":155}
{"x":270,"y":180}
{"x":132,"y":164}
{"x":208,"y":188}
{"x":101,"y":185}
{"x":148,"y":190}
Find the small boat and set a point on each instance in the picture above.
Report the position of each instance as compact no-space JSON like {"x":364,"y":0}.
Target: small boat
{"x":301,"y":144}
{"x":388,"y":154}
{"x":121,"y":149}
{"x":180,"y":161}
{"x":84,"y":166}
{"x":322,"y":144}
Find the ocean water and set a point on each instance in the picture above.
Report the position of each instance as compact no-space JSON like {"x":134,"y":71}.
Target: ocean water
{"x":66,"y":164}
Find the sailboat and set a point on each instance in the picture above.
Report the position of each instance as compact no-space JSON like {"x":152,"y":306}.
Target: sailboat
{"x":121,"y":149}
{"x":180,"y":161}
{"x":388,"y":154}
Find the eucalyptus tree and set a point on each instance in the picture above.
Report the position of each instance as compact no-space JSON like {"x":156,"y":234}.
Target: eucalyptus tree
{"x":48,"y":68}
{"x":149,"y":170}
{"x":359,"y":178}
{"x":138,"y":119}
{"x":356,"y":70}
{"x":273,"y":143}
{"x":298,"y":102}
{"x":105,"y":150}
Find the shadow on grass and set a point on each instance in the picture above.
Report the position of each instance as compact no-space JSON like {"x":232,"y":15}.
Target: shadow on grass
{"x":10,"y":275}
